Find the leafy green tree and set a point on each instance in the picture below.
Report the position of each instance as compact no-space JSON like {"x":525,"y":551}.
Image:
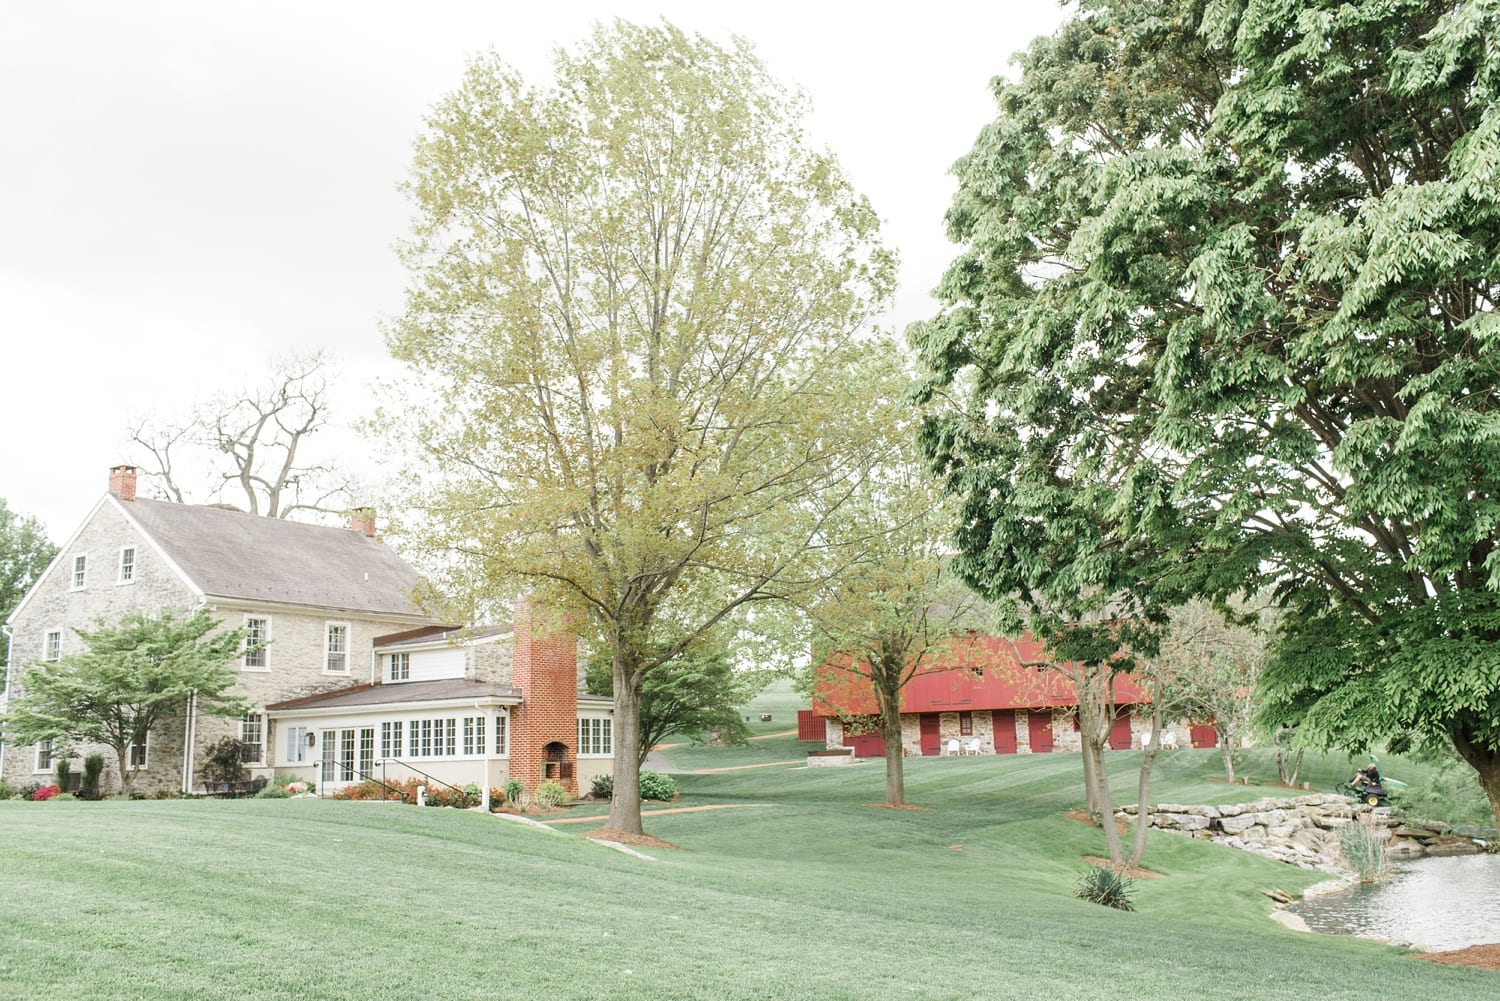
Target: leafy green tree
{"x":1230,"y":270}
{"x":892,"y":611}
{"x":1212,"y":664}
{"x":130,"y":676}
{"x":25,"y":552}
{"x":637,"y":300}
{"x":697,"y":693}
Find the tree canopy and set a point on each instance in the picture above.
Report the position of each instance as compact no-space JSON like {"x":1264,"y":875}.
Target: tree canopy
{"x":696,"y":694}
{"x":639,"y":299}
{"x":1226,"y":301}
{"x":25,"y":552}
{"x":131,"y":675}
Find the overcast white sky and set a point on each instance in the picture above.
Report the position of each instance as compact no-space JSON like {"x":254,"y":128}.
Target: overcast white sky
{"x":187,"y":189}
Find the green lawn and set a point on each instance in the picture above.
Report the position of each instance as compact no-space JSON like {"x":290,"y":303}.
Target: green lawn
{"x":815,"y":895}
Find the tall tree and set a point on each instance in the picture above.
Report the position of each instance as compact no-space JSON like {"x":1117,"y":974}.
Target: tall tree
{"x":25,"y":552}
{"x":1241,"y":261}
{"x":697,"y":693}
{"x":130,"y":676}
{"x":1212,"y":661}
{"x":889,"y":615}
{"x":248,"y":449}
{"x":637,"y":302}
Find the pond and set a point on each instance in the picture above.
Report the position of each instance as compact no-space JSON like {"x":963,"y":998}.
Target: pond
{"x":1438,"y":903}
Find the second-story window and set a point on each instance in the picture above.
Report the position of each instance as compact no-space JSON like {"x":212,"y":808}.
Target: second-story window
{"x":127,"y":566}
{"x":80,"y":572}
{"x":257,"y":634}
{"x":52,"y":645}
{"x":337,"y":649}
{"x":400,"y":667}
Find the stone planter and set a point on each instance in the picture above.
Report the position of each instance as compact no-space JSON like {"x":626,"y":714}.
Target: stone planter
{"x":830,"y":757}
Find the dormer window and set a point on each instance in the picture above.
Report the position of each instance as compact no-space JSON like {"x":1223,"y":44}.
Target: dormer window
{"x":400,"y":667}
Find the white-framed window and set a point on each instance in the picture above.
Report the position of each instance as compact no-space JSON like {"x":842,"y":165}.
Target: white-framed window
{"x":336,"y":648}
{"x":595,"y":737}
{"x":135,"y":754}
{"x":257,"y":634}
{"x":52,"y":645}
{"x":502,"y":734}
{"x":80,"y":571}
{"x":390,"y":739}
{"x":398,"y":667}
{"x":474,"y":735}
{"x":431,"y":738}
{"x":296,"y":745}
{"x":253,"y":739}
{"x":126,"y":573}
{"x":43,"y":761}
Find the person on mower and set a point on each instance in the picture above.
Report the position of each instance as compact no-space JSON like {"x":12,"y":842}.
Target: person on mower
{"x":1367,"y":776}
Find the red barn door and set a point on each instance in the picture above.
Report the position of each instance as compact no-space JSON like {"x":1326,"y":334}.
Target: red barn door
{"x":869,"y":745}
{"x":1005,"y":731}
{"x":1203,"y":736}
{"x":1119,"y":732}
{"x":932,"y":734}
{"x":1039,"y":727}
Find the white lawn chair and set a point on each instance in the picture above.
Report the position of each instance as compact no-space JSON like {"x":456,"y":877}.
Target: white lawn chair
{"x":972,"y":747}
{"x":1169,"y":739}
{"x":953,"y":748}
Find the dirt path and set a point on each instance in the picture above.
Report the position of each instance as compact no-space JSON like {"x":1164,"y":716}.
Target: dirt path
{"x":653,"y":813}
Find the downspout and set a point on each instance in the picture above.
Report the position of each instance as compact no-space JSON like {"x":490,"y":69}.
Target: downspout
{"x":484,"y":765}
{"x":189,"y":729}
{"x":10,"y":642}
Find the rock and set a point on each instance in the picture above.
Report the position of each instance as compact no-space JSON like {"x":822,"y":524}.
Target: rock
{"x":1181,"y":821}
{"x":1237,"y":824}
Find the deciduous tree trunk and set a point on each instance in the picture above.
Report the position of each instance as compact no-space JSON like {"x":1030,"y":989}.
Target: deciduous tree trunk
{"x":1486,"y":762}
{"x":895,"y":776}
{"x":625,"y":802}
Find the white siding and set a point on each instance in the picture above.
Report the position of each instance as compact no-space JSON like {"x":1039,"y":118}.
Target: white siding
{"x":435,"y":665}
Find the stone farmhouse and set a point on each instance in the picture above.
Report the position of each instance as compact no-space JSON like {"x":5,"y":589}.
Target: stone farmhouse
{"x":976,"y":698}
{"x":354,"y":680}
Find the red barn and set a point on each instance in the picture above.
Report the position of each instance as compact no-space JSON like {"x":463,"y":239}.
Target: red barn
{"x":973,"y":697}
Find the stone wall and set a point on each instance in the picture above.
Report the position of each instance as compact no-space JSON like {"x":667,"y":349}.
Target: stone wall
{"x":1301,"y":830}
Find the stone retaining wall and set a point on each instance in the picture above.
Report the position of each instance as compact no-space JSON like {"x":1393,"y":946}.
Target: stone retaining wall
{"x":1301,"y":830}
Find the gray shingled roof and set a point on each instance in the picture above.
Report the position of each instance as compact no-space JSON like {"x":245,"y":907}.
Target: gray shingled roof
{"x":231,"y":554}
{"x":401,"y":692}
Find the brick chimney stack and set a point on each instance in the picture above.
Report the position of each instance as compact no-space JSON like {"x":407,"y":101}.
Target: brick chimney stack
{"x":362,"y":519}
{"x":545,"y":669}
{"x":122,"y":482}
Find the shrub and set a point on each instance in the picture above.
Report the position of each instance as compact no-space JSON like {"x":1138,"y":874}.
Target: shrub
{"x":1107,"y":887}
{"x":44,"y":793}
{"x":63,"y":769}
{"x":1363,"y":847}
{"x":654,"y":785}
{"x":551,"y":793}
{"x":497,"y":797}
{"x":28,"y":790}
{"x":93,"y":767}
{"x":283,"y":786}
{"x":603,"y":787}
{"x":513,"y":790}
{"x":224,"y":761}
{"x":6,"y":792}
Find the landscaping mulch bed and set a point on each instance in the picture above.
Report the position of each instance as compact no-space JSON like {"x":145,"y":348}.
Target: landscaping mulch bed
{"x":1483,"y":957}
{"x":1082,"y":816}
{"x":626,"y":838}
{"x":1134,"y":873}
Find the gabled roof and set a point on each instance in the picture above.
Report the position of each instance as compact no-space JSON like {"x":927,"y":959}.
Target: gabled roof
{"x":245,"y":557}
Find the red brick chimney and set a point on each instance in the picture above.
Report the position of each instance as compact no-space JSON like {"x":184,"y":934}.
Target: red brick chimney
{"x":545,"y":669}
{"x":122,"y":482}
{"x":362,"y":519}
